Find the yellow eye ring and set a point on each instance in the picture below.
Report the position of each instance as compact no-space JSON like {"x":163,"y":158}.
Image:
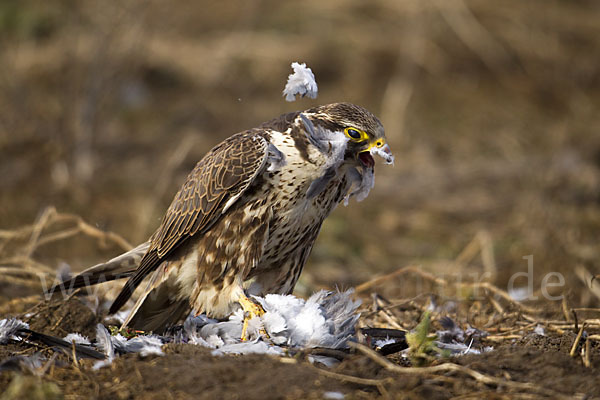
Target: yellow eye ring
{"x":356,"y":135}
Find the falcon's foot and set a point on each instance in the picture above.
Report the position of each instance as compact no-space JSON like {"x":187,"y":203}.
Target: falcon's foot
{"x":251,"y":310}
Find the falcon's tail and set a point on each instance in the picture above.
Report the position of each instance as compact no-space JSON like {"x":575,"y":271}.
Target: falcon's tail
{"x":122,"y":266}
{"x":160,"y":304}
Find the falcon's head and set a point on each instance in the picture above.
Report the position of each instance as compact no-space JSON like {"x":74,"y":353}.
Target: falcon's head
{"x":362,"y":131}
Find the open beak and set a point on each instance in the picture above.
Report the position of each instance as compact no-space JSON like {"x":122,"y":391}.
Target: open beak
{"x":383,"y":151}
{"x":366,"y":159}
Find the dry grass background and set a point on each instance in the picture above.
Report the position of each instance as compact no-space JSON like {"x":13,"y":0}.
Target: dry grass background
{"x":490,"y":108}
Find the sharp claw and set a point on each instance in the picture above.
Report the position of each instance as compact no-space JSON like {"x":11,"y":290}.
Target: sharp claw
{"x":251,"y":310}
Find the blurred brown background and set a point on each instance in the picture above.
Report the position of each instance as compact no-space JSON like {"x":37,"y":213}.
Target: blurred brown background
{"x":491,"y":109}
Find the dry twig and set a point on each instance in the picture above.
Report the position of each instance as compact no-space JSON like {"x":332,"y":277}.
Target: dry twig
{"x":449,"y":367}
{"x":577,"y":340}
{"x":444,"y":283}
{"x":408,"y":269}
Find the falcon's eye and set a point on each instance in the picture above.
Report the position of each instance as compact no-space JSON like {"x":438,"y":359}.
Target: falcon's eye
{"x":355,"y":134}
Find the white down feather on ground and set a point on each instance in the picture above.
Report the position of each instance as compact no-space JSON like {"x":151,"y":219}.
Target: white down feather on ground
{"x":326,"y":319}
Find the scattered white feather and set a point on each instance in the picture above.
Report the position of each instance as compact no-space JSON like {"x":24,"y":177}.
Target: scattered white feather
{"x":119,"y":342}
{"x":383,"y":152}
{"x":520,"y":293}
{"x":144,"y":345}
{"x":455,"y":339}
{"x":457,"y":348}
{"x":308,"y":326}
{"x":214,"y":341}
{"x":101,"y":364}
{"x":104,"y":344}
{"x":381,"y":343}
{"x":334,"y":395}
{"x":302,"y":82}
{"x":110,"y":345}
{"x":255,"y":347}
{"x":539,"y":330}
{"x":454,"y":348}
{"x":9,"y":328}
{"x":324,"y":320}
{"x":329,"y":362}
{"x":364,"y":182}
{"x":276,"y":324}
{"x":191,"y":332}
{"x":229,"y":331}
{"x":77,"y":338}
{"x":275,"y":158}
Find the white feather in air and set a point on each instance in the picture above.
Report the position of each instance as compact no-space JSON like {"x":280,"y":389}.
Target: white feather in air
{"x":301,"y":82}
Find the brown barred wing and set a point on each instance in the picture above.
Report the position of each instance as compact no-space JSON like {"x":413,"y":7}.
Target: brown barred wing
{"x":216,"y":182}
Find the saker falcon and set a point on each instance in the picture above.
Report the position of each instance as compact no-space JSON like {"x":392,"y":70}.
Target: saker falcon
{"x":247,"y":216}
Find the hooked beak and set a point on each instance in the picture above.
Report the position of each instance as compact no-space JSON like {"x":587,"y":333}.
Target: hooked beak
{"x":383,"y":151}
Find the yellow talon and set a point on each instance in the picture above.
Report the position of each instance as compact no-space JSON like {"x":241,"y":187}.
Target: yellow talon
{"x":251,"y":310}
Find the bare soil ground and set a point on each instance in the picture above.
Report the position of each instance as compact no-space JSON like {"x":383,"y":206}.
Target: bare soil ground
{"x":537,"y":350}
{"x":491,"y":110}
{"x":522,"y":364}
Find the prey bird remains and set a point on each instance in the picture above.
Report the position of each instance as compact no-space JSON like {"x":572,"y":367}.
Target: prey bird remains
{"x":247,"y":216}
